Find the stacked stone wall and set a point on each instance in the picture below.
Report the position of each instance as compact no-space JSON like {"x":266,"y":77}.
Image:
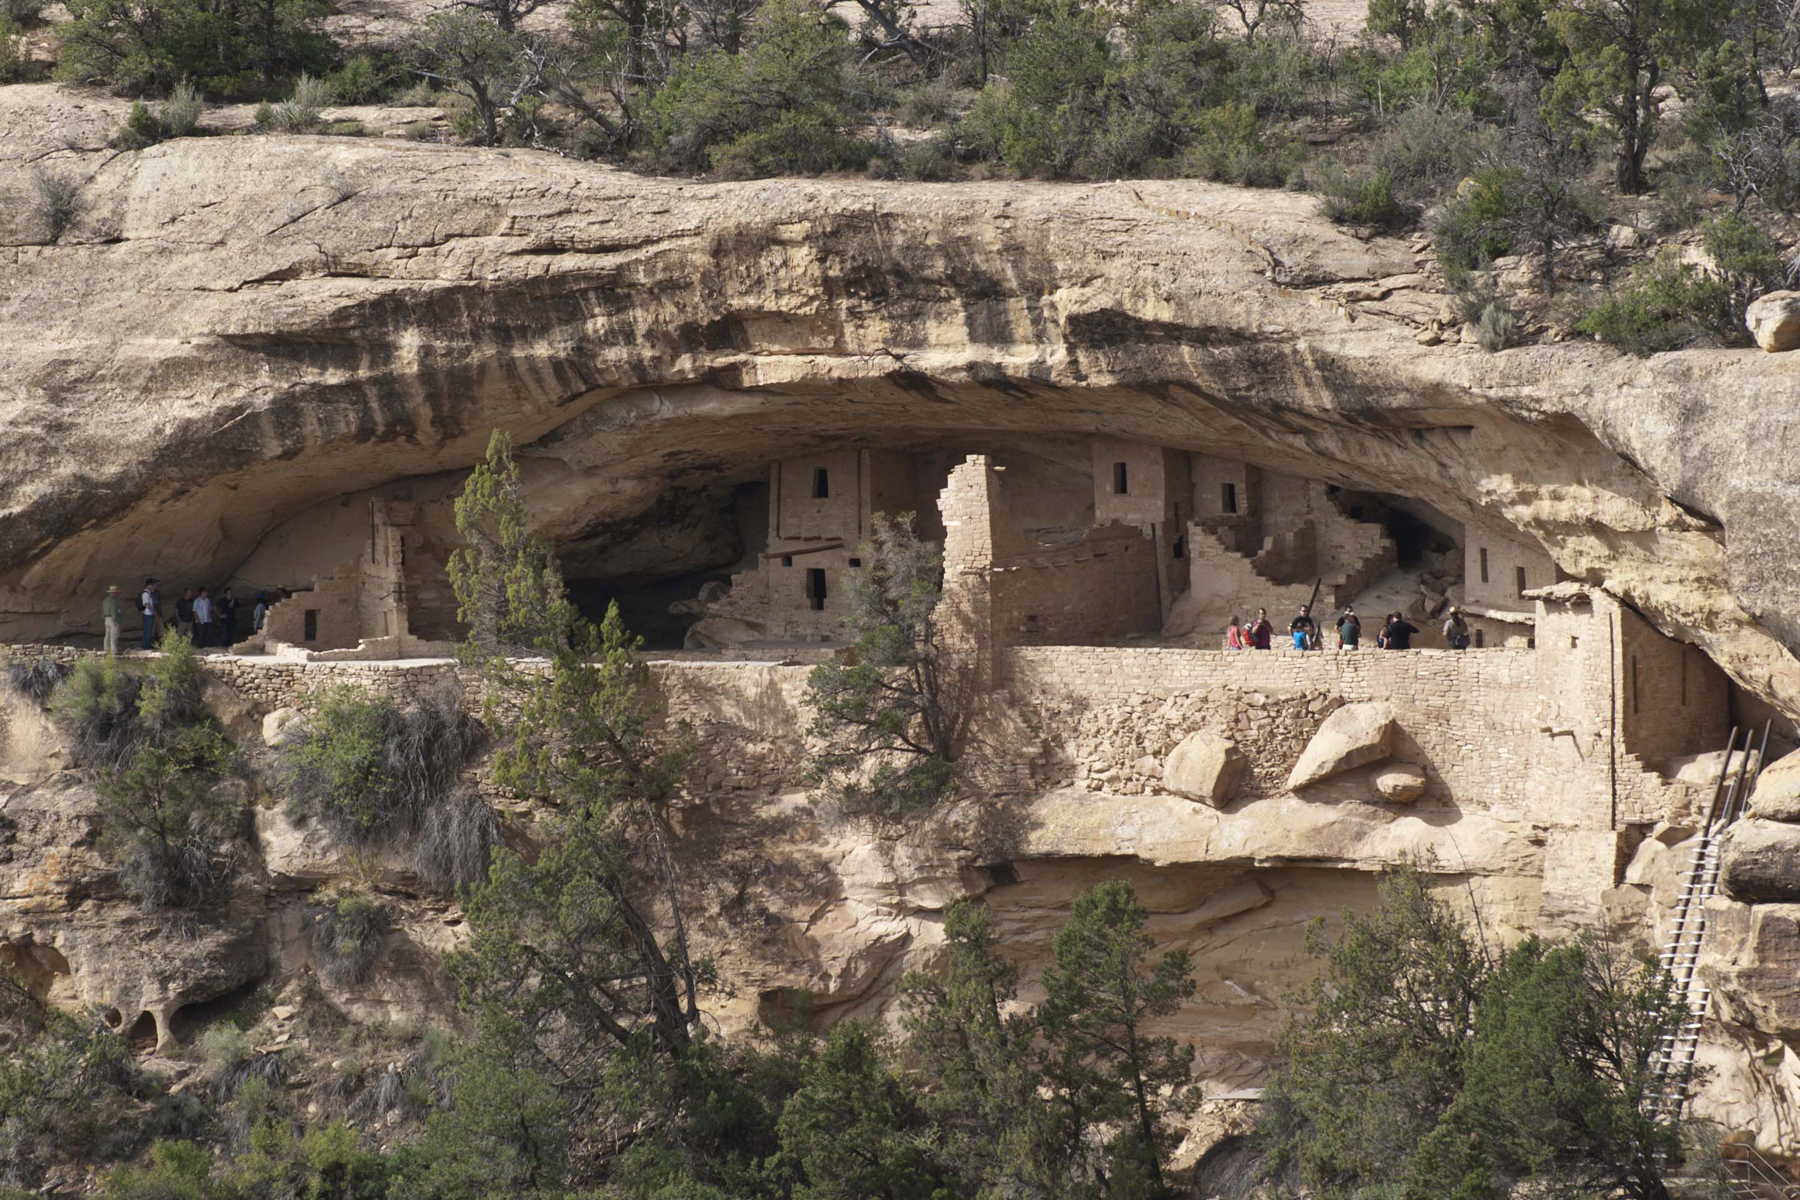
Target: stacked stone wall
{"x":1113,"y":714}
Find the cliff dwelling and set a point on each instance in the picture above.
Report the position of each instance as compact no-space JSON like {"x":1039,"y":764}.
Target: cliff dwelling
{"x":1126,"y":411}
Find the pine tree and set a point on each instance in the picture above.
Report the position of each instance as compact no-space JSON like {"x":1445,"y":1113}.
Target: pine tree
{"x":1106,"y":1068}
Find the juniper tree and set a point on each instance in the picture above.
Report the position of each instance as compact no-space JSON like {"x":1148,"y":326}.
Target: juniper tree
{"x":1421,"y":1065}
{"x":1103,"y":1066}
{"x":155,"y":755}
{"x":891,"y":718}
{"x":577,"y":966}
{"x":983,"y":1063}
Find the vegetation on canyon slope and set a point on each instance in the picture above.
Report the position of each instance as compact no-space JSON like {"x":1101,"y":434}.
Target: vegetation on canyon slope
{"x":1504,"y":128}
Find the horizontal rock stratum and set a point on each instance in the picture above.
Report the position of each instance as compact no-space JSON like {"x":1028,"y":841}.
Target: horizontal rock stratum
{"x":236,"y":328}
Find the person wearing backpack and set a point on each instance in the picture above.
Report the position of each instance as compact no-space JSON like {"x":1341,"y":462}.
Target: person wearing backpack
{"x":1456,"y":630}
{"x":1349,"y":627}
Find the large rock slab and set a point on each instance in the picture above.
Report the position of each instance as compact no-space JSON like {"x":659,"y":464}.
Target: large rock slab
{"x":1777,"y":794}
{"x":1760,"y":861}
{"x":1774,"y":321}
{"x":1205,"y":767}
{"x":1353,"y":736}
{"x":1751,"y":959}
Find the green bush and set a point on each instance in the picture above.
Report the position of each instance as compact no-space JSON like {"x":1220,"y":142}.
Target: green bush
{"x":12,"y":57}
{"x":1425,"y":1061}
{"x":363,"y":79}
{"x":66,"y":1088}
{"x":347,"y":936}
{"x":181,"y":115}
{"x":32,"y":678}
{"x":156,"y":755}
{"x":1231,"y":146}
{"x":1425,"y":149}
{"x":1666,"y":305}
{"x":177,"y":1171}
{"x":789,"y":102}
{"x":141,"y":128}
{"x":56,"y":200}
{"x":300,"y":111}
{"x":96,"y":708}
{"x":1495,"y":328}
{"x":1360,"y":198}
{"x":146,"y":47}
{"x":368,"y":768}
{"x":1473,"y":227}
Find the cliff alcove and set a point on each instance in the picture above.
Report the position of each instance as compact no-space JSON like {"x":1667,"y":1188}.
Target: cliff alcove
{"x":1160,"y":403}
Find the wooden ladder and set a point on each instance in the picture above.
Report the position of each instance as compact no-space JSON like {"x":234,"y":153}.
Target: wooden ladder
{"x":1750,"y":1176}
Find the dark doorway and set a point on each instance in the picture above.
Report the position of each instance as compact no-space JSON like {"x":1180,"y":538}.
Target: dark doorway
{"x":815,"y":588}
{"x":1412,"y":537}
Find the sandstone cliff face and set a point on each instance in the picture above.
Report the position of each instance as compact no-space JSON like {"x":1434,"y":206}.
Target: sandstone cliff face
{"x":236,"y":329}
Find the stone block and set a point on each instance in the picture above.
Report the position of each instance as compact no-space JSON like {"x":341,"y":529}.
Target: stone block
{"x":1774,"y":321}
{"x":1760,"y":861}
{"x":1400,"y":784}
{"x":1353,"y":736}
{"x":1777,"y":794}
{"x":282,"y":726}
{"x":1205,"y":767}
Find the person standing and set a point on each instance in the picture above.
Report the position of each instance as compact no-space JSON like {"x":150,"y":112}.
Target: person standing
{"x":110,"y":616}
{"x":1302,"y":629}
{"x":203,"y":619}
{"x":259,"y":612}
{"x":1234,"y":635}
{"x":1456,"y":630}
{"x":1399,"y":633}
{"x":1349,"y":627}
{"x":148,"y":603}
{"x":1261,"y":630}
{"x":227,"y":616}
{"x":184,"y":615}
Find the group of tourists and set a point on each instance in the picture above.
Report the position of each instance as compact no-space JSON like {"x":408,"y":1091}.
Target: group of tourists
{"x":1396,"y":631}
{"x":200,"y":617}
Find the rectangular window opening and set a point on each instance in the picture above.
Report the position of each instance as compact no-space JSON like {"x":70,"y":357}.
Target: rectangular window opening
{"x":1480,"y":639}
{"x":856,"y":562}
{"x":1228,"y":497}
{"x":1179,"y":548}
{"x":821,"y":484}
{"x":1634,"y":687}
{"x":1484,"y":577}
{"x":787,"y":560}
{"x":1520,"y":576}
{"x":815,"y":588}
{"x":1120,"y":483}
{"x":309,"y":631}
{"x":1574,"y":643}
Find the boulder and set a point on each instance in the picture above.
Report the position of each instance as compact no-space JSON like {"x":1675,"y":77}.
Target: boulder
{"x":1702,"y":770}
{"x":1774,"y":321}
{"x":1353,"y":736}
{"x":1205,"y":767}
{"x":1777,"y":794}
{"x":235,"y":714}
{"x":1400,"y":784}
{"x":1760,"y":861}
{"x":282,"y":726}
{"x":720,"y":633}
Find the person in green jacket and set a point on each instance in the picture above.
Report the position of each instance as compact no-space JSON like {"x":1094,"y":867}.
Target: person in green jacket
{"x":111,"y":614}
